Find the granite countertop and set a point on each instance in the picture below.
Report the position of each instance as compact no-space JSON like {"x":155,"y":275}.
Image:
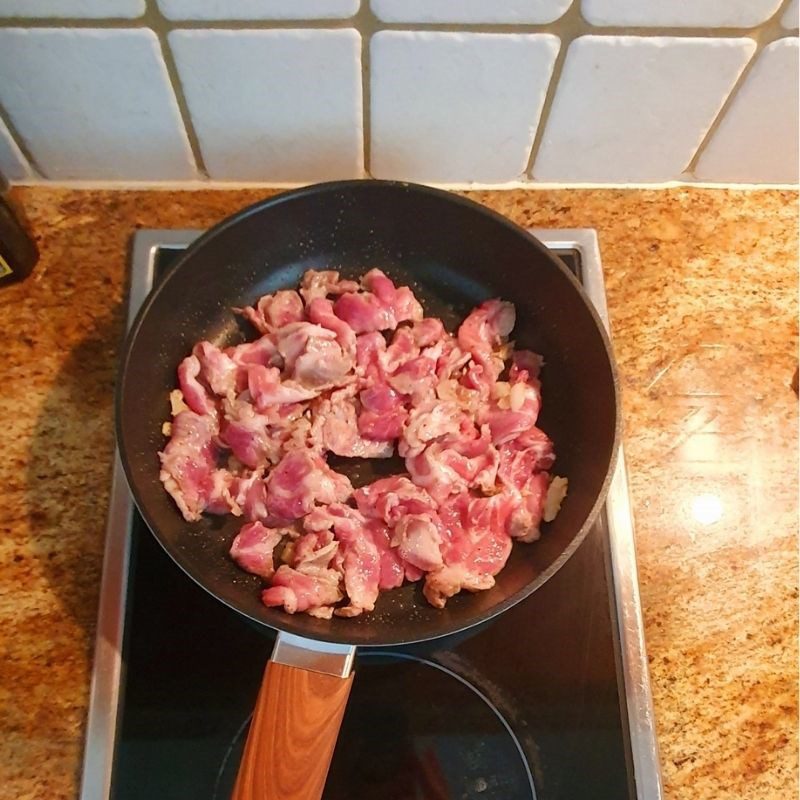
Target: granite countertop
{"x":702,"y":292}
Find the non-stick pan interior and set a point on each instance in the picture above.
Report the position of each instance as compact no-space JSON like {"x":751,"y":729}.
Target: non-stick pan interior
{"x":454,"y":254}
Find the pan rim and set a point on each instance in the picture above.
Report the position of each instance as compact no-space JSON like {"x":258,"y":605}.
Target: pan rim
{"x":288,"y":625}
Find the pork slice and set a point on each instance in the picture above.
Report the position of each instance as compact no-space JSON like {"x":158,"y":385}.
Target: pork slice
{"x":370,"y":358}
{"x":428,"y":331}
{"x":219,"y":371}
{"x":475,"y":546}
{"x":221,"y":498}
{"x":253,"y":546}
{"x":392,"y":566}
{"x":428,"y":422}
{"x":523,"y":524}
{"x":484,"y":334}
{"x":456,"y":463}
{"x":389,"y":499}
{"x":302,"y":480}
{"x":188,"y":461}
{"x":249,"y":493}
{"x":383,"y":413}
{"x":336,"y":426}
{"x":531,"y":451}
{"x":400,"y":299}
{"x":400,"y":350}
{"x":380,"y":308}
{"x":267,"y":389}
{"x":261,"y":351}
{"x":273,"y":311}
{"x":321,"y":312}
{"x":247,"y":434}
{"x":297,"y":591}
{"x":195,"y":394}
{"x":361,"y":561}
{"x":513,"y":414}
{"x":321,"y":283}
{"x":418,"y":541}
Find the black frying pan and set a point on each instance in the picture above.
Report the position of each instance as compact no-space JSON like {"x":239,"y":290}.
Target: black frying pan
{"x":455,"y":254}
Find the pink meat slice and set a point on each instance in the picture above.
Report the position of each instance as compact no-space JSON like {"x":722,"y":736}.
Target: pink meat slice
{"x":380,"y":308}
{"x":361,"y":561}
{"x":530,"y":452}
{"x":218,"y":370}
{"x":194,"y":393}
{"x":475,"y":546}
{"x":273,"y":311}
{"x":253,"y":546}
{"x":512,"y":421}
{"x":485,"y":329}
{"x":524,"y":522}
{"x":267,"y":389}
{"x":390,"y":499}
{"x":188,"y":461}
{"x":336,"y":426}
{"x":296,"y":591}
{"x":383,"y":413}
{"x":301,"y":481}
{"x":321,"y":312}
{"x":246,"y":433}
{"x":312,"y":356}
{"x":261,"y":351}
{"x":427,"y":422}
{"x":456,"y":463}
{"x":392,"y":566}
{"x":321,"y":283}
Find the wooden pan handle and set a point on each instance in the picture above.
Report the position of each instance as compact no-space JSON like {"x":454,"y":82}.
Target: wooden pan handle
{"x":292,"y":734}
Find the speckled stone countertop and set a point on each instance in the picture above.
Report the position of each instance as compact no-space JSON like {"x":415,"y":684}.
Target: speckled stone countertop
{"x":702,"y":292}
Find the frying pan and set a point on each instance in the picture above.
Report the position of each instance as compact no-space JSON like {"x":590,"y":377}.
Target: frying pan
{"x":454,"y":253}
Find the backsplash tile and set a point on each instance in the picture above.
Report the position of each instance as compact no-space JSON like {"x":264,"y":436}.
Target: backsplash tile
{"x":679,"y":13}
{"x":631,"y":109}
{"x":758,"y":138}
{"x":790,"y":20}
{"x":92,"y":9}
{"x":452,"y":107}
{"x":530,"y":11}
{"x":280,"y":105}
{"x":12,"y":163}
{"x":454,"y":92}
{"x":258,"y":9}
{"x":94,"y":104}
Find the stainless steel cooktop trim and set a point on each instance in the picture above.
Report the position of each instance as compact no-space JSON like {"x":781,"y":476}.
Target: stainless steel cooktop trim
{"x":104,"y":696}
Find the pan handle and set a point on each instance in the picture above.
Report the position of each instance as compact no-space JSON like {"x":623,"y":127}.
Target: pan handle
{"x":296,"y":720}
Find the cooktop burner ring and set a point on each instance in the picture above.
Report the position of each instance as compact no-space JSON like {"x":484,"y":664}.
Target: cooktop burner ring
{"x":491,"y":764}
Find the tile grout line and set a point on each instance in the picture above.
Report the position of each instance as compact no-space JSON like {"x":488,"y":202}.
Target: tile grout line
{"x":367,"y":24}
{"x":567,"y":27}
{"x":764,"y":34}
{"x":154,"y":19}
{"x":365,"y":16}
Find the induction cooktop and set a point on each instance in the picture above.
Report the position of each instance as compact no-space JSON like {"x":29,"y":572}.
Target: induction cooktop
{"x":551,"y":700}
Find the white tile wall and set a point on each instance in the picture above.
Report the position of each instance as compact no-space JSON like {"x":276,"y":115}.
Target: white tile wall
{"x":94,"y":104}
{"x":12,"y":163}
{"x":280,"y":105}
{"x":529,"y":11}
{"x":630,"y":109}
{"x":758,"y":138}
{"x":72,"y":8}
{"x":480,"y":92}
{"x":679,"y":13}
{"x":456,"y":107}
{"x":791,"y":16}
{"x":258,"y":9}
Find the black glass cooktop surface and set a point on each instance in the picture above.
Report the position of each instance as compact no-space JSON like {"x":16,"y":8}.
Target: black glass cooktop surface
{"x":529,"y":705}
